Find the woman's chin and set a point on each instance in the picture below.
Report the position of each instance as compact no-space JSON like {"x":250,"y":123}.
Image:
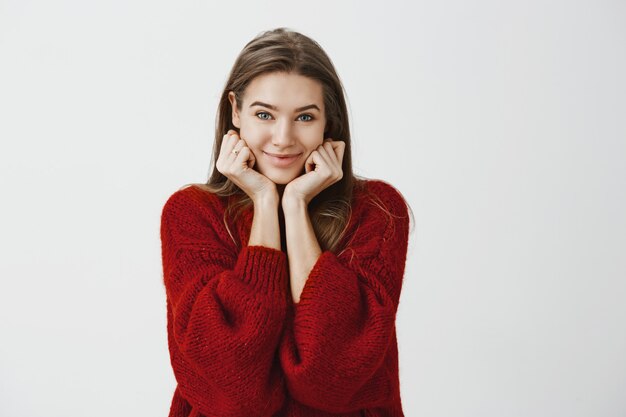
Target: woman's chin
{"x":282,"y":177}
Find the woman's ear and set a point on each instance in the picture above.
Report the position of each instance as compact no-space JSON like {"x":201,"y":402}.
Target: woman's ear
{"x":235,"y":113}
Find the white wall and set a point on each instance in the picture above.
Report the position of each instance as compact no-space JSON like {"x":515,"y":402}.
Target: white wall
{"x":502,"y":122}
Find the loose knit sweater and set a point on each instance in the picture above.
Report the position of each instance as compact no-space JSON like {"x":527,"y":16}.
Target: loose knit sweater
{"x":240,"y":347}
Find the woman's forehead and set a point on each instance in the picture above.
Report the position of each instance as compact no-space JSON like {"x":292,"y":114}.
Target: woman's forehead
{"x":284,"y":91}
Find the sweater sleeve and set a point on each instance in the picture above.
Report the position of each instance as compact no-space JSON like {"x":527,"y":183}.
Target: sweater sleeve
{"x":226,"y":312}
{"x":336,"y":352}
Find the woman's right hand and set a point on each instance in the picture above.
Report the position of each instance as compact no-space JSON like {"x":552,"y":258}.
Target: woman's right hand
{"x":238,"y":168}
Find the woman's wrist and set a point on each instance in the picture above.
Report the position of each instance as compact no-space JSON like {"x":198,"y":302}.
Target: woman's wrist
{"x":268,"y":199}
{"x":293,"y":203}
{"x":265,"y":229}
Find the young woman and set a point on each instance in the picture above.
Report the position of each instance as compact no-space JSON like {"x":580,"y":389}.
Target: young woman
{"x":283,"y":272}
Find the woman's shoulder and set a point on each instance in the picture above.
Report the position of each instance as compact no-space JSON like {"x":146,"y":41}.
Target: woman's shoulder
{"x":193,"y":217}
{"x":378,"y":191}
{"x":378,"y":211}
{"x":377,"y":185}
{"x":193,"y":198}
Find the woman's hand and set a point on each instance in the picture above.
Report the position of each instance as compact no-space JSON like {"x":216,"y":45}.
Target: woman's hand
{"x":236,"y":160}
{"x":323,"y":169}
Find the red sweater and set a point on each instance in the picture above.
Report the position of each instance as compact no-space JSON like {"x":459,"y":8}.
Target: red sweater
{"x":240,"y":347}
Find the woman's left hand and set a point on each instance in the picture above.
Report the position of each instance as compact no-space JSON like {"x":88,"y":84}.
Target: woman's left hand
{"x":322,"y":169}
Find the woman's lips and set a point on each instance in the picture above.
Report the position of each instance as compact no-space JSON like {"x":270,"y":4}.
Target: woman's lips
{"x":280,"y":161}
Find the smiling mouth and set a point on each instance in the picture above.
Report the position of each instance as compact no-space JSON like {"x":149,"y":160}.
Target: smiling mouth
{"x":282,"y":161}
{"x":293,"y":155}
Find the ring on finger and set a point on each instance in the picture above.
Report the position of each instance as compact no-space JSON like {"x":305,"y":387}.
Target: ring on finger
{"x":235,"y":150}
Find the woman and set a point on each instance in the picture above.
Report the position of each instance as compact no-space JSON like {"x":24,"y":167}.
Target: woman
{"x":283,"y":272}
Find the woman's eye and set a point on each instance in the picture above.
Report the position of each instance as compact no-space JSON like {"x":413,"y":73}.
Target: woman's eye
{"x":263,"y":113}
{"x":266,"y":116}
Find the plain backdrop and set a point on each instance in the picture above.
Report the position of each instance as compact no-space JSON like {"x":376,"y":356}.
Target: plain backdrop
{"x":502,"y":123}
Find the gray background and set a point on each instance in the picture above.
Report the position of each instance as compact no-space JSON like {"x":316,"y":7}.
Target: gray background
{"x":502,"y":122}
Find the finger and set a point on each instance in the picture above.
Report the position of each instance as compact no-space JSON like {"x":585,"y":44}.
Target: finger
{"x":228,"y":143}
{"x":325,"y":157}
{"x":322,"y":162}
{"x":252,"y":159}
{"x":335,"y":164}
{"x":340,"y":147}
{"x":336,"y":144}
{"x":310,"y":163}
{"x":237,"y":149}
{"x":245,"y":158}
{"x":241,"y":161}
{"x":330,"y":149}
{"x":323,"y":150}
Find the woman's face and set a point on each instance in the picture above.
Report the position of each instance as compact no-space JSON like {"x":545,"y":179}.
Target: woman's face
{"x":282,"y":114}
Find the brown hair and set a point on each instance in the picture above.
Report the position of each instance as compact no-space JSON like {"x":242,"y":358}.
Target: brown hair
{"x":284,"y":50}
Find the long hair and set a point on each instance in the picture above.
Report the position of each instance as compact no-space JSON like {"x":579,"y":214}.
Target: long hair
{"x":284,"y":50}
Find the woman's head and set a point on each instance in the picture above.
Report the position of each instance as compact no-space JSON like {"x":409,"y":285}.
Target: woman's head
{"x":286,"y":70}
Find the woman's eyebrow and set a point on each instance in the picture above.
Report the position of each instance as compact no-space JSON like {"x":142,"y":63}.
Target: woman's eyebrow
{"x":270,"y":106}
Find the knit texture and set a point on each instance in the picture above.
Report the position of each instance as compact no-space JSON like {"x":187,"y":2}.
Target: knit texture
{"x":240,"y":347}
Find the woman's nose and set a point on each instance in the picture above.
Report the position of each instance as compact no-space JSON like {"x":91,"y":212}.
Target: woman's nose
{"x":283,"y":134}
